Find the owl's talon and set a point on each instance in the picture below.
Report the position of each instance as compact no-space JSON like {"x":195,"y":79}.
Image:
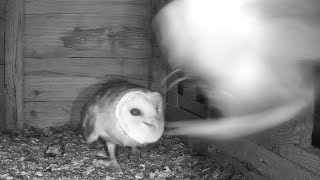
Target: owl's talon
{"x":115,"y":165}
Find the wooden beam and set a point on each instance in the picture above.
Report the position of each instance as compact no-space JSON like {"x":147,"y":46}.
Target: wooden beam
{"x":14,"y":64}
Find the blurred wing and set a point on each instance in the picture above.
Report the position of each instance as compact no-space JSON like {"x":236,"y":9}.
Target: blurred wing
{"x":229,"y":40}
{"x":209,"y":29}
{"x":235,"y":127}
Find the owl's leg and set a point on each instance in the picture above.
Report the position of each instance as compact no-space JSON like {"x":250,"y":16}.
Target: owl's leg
{"x":113,"y":161}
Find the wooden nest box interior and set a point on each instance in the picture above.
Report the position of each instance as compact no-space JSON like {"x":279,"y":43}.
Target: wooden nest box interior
{"x":54,"y":54}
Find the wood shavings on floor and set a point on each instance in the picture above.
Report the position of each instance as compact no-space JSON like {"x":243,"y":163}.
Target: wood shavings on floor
{"x":61,"y":153}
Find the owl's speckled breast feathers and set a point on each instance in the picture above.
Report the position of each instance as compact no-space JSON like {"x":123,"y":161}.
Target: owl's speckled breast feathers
{"x":124,"y":114}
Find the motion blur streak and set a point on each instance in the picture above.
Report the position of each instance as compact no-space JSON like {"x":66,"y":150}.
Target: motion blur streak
{"x":254,"y":59}
{"x":228,"y":128}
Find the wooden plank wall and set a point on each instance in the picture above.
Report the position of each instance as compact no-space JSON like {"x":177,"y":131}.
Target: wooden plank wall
{"x":72,"y":46}
{"x":2,"y":55}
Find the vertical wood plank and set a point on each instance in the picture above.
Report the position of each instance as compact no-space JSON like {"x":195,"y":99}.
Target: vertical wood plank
{"x":2,"y":39}
{"x":2,"y":99}
{"x":3,"y":9}
{"x":14,"y":64}
{"x":2,"y":35}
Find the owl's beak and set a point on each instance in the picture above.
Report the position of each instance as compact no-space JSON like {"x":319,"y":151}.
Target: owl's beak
{"x":150,"y":125}
{"x":153,"y":122}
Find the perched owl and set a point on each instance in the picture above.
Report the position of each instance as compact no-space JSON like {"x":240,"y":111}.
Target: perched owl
{"x":125,"y":114}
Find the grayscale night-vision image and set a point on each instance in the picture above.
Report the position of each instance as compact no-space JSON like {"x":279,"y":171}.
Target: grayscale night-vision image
{"x":160,"y":89}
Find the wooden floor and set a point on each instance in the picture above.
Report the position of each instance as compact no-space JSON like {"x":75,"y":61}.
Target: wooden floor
{"x":175,"y":114}
{"x":253,"y":160}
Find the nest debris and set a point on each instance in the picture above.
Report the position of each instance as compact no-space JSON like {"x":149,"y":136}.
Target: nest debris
{"x":61,"y":153}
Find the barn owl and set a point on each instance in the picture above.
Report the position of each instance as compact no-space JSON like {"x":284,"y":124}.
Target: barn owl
{"x":254,"y":58}
{"x":125,"y":114}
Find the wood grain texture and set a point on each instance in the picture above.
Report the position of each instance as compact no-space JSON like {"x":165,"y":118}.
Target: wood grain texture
{"x":306,"y":124}
{"x":268,"y":139}
{"x":3,"y":9}
{"x":176,"y":114}
{"x":290,"y":139}
{"x":192,"y":106}
{"x":222,"y":157}
{"x":2,"y":40}
{"x":269,"y":164}
{"x":52,"y":114}
{"x":283,"y":135}
{"x":294,"y":139}
{"x":111,"y":7}
{"x":2,"y":100}
{"x":71,"y":47}
{"x":190,"y":90}
{"x":86,"y":35}
{"x":65,"y":88}
{"x":172,"y":98}
{"x":158,"y":71}
{"x":87,"y":67}
{"x":49,"y":110}
{"x":308,"y":158}
{"x":14,"y":64}
{"x":2,"y":56}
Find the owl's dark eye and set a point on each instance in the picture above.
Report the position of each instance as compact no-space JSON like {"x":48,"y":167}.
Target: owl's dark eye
{"x":135,"y":112}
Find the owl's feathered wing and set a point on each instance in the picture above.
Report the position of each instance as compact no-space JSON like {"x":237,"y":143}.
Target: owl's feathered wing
{"x":88,"y":119}
{"x":107,"y":93}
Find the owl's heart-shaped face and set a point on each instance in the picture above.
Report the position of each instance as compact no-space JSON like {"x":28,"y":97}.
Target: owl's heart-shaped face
{"x":140,"y":116}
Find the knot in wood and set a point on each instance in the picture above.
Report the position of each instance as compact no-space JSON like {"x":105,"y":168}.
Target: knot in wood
{"x":33,"y":113}
{"x":36,"y":92}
